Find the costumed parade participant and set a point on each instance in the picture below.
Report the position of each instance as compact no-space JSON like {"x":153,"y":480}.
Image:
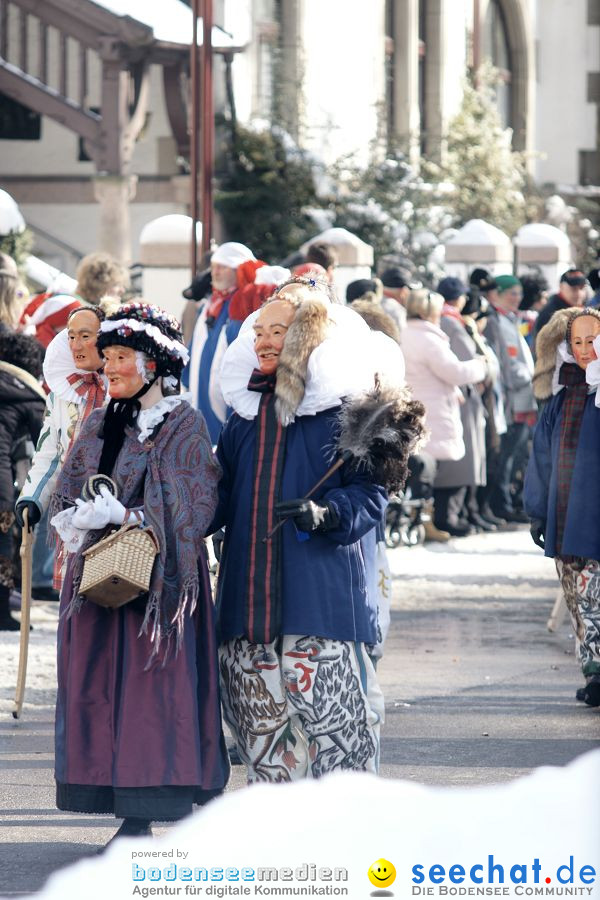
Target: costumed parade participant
{"x":296,"y":598}
{"x":73,"y":372}
{"x":561,"y":487}
{"x":138,"y":728}
{"x":232,"y":266}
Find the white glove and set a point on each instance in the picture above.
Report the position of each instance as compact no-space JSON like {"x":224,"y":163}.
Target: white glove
{"x":114,"y":508}
{"x":102,"y":511}
{"x":91,"y":514}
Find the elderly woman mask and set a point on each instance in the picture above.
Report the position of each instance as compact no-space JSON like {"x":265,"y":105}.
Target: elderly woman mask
{"x":270,"y":331}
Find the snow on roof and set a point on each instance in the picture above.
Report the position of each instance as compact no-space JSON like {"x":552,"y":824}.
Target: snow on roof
{"x":540,"y":234}
{"x":174,"y":228}
{"x":170,"y":20}
{"x":478,"y":231}
{"x":10,"y":215}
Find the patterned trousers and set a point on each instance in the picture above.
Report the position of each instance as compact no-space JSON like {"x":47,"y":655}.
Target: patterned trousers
{"x":301,"y":706}
{"x":580,"y":580}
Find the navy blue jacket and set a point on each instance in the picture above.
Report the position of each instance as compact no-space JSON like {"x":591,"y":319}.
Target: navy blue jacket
{"x":582,"y":525}
{"x":326,"y":579}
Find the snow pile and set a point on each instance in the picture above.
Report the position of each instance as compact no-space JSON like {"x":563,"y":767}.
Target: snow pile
{"x":322,"y":837}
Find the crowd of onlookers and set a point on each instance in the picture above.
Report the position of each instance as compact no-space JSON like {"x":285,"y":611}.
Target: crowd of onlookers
{"x":469,"y":352}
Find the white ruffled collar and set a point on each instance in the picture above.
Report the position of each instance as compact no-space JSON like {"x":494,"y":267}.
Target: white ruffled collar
{"x":148,"y":419}
{"x":344,"y":365}
{"x":58,"y":365}
{"x":592,"y":372}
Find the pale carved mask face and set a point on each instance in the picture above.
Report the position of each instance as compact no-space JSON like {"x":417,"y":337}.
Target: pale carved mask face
{"x":121,"y":369}
{"x":270,"y":330}
{"x":82,"y":332}
{"x":583,"y":332}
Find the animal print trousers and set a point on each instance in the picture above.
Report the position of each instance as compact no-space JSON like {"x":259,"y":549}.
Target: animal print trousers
{"x":580,"y":580}
{"x":301,"y":706}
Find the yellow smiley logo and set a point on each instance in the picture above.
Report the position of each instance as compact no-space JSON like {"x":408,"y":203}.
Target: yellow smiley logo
{"x":382,"y":873}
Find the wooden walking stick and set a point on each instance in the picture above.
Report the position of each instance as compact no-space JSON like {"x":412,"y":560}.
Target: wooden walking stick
{"x":26,"y":554}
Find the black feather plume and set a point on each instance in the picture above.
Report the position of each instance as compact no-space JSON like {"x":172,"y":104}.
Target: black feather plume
{"x":379,"y":430}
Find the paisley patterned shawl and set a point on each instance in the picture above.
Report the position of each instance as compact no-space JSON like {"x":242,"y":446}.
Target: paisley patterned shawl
{"x":174,"y":476}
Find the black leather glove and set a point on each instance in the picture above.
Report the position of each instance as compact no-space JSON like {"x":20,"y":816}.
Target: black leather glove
{"x":537,"y":530}
{"x":307,"y":515}
{"x":217,"y":541}
{"x":33,"y":513}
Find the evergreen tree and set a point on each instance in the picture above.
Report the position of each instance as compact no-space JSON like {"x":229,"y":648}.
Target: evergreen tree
{"x":18,"y":245}
{"x":265,"y":190}
{"x":488,"y":177}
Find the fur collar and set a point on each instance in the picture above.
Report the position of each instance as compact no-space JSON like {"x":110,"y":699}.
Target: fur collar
{"x":546,"y":347}
{"x":331,"y":355}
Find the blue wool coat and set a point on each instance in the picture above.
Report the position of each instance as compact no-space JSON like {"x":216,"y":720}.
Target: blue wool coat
{"x":582,"y":525}
{"x":327,"y":578}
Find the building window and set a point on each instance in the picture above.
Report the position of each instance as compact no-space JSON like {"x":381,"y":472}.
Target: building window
{"x":496,"y":48}
{"x":18,"y":122}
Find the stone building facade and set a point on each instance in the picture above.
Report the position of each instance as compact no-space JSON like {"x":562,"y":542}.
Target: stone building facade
{"x":341,"y":76}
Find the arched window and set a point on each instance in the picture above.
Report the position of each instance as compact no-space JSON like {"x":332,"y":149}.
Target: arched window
{"x":496,"y":48}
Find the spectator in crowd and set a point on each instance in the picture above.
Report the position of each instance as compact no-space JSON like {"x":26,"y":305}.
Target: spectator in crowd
{"x":535,"y":297}
{"x":434,"y":373}
{"x":396,"y":289}
{"x":516,"y":371}
{"x":21,"y":412}
{"x":370,"y":289}
{"x":323,"y":254}
{"x":459,"y":479}
{"x":571,"y":292}
{"x":474,"y":316}
{"x":9,"y":298}
{"x":376,"y":317}
{"x":218,"y":322}
{"x":482,"y":281}
{"x":594,"y":280}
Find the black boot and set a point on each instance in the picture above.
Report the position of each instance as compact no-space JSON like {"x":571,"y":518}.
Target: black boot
{"x":7,"y":623}
{"x":591,"y":696}
{"x":131,"y":827}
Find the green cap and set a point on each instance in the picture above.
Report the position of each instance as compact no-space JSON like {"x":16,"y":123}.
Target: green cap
{"x":504,"y":282}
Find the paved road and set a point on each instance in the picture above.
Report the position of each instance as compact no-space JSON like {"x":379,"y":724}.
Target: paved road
{"x":477,"y":691}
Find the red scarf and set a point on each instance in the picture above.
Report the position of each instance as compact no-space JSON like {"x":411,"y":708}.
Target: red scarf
{"x":90,"y":386}
{"x":452,"y":313}
{"x":216,"y":302}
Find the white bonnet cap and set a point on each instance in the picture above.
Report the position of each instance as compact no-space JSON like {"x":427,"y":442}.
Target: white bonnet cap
{"x":232,"y":254}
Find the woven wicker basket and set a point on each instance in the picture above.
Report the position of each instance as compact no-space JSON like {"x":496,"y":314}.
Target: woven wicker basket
{"x":118,"y":568}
